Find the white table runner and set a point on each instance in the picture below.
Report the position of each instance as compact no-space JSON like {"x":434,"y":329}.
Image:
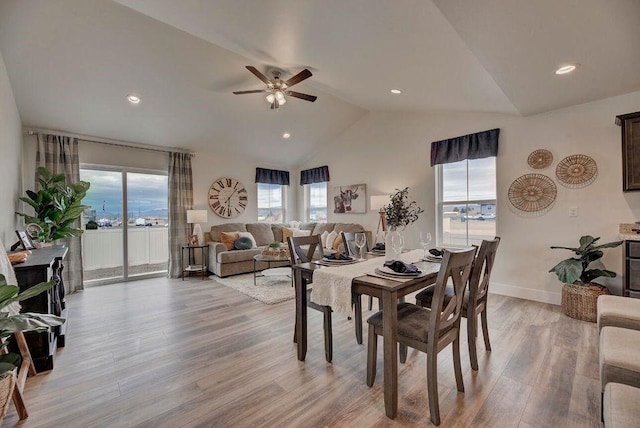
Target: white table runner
{"x":332,"y":285}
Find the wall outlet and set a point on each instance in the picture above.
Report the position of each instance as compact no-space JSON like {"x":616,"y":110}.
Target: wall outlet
{"x":573,"y":211}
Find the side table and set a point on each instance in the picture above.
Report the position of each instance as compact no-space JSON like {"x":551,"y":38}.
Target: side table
{"x":198,"y":268}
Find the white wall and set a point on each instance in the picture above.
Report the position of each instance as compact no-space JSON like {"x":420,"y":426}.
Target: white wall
{"x":209,"y":167}
{"x":391,"y":150}
{"x":10,"y":159}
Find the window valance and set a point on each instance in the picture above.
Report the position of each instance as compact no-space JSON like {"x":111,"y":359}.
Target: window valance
{"x":473,"y":146}
{"x":314,"y":175}
{"x":272,"y":176}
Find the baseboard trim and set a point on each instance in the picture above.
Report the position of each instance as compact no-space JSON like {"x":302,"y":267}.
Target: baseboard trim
{"x":526,"y":293}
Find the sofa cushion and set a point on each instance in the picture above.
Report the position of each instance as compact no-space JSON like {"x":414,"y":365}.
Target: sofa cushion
{"x":229,"y":239}
{"x":337,"y":242}
{"x":323,"y":238}
{"x":238,"y":256}
{"x":261,"y":232}
{"x":330,"y":238}
{"x":243,"y":243}
{"x":321,"y":227}
{"x":251,"y":238}
{"x":348,"y":227}
{"x":307,"y":226}
{"x":225,"y":227}
{"x":276,"y":228}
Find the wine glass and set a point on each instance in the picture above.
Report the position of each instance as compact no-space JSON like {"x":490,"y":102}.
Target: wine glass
{"x":397,"y":243}
{"x":360,"y":241}
{"x":425,"y":240}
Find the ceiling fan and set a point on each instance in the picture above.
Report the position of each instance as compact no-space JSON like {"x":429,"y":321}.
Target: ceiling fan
{"x":278,"y":88}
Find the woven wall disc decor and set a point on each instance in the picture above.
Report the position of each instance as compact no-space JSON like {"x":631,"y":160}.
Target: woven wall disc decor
{"x":540,"y":159}
{"x":532,"y":192}
{"x":577,"y":171}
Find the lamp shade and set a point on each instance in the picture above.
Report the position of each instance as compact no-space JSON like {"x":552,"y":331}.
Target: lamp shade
{"x":379,"y":201}
{"x":196,"y":216}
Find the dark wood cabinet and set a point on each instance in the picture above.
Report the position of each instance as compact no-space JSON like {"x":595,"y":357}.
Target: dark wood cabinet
{"x":631,"y":253}
{"x":630,"y":124}
{"x":44,"y":264}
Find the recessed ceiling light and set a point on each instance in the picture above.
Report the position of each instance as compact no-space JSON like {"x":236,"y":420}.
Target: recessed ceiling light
{"x":286,"y":135}
{"x":565,"y":69}
{"x":396,"y":91}
{"x":133,"y":99}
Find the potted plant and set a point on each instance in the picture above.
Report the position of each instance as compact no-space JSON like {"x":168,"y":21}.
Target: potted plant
{"x":579,"y":292}
{"x":12,"y":322}
{"x":399,"y":214}
{"x":57,"y":206}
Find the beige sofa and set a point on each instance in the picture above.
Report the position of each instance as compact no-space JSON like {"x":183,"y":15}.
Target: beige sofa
{"x":223,"y":262}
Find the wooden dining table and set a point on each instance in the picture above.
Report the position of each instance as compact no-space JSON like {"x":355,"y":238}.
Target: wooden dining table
{"x":388,"y":291}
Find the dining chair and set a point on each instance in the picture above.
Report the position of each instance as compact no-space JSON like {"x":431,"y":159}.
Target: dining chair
{"x":475,"y":299}
{"x":430,"y":330}
{"x":302,"y":249}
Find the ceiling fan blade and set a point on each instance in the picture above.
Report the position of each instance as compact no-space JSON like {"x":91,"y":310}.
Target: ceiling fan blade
{"x":256,"y":91}
{"x":304,"y":74}
{"x":305,"y":97}
{"x":258,"y":74}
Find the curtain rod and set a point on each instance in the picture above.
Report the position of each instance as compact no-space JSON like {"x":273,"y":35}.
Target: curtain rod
{"x":33,"y":131}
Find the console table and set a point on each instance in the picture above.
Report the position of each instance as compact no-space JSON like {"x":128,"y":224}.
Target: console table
{"x":42,"y":265}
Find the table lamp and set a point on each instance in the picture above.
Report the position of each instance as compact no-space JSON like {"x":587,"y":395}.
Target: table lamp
{"x":378,"y":202}
{"x":196,"y":217}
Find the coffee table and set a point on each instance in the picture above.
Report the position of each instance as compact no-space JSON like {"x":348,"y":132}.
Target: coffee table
{"x":270,"y":271}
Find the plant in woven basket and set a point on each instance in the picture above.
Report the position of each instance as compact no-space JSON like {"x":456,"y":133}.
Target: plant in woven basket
{"x":575,"y":270}
{"x":11,"y":322}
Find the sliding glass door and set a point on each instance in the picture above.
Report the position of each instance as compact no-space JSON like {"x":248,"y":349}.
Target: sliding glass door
{"x":125,"y":227}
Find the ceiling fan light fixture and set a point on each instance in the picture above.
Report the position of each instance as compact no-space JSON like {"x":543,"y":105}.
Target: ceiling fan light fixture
{"x":270,"y":98}
{"x":279,"y":96}
{"x":566,"y":69}
{"x":283,"y":101}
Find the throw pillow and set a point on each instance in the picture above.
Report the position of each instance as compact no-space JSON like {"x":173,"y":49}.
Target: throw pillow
{"x":243,"y":243}
{"x":229,"y":239}
{"x":330,"y":238}
{"x":286,"y":233}
{"x":323,"y":238}
{"x":298,"y":232}
{"x":337,"y":242}
{"x":251,"y":238}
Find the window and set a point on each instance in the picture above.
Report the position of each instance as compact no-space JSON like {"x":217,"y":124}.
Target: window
{"x":271,"y":202}
{"x":316,"y":202}
{"x":466,"y":206}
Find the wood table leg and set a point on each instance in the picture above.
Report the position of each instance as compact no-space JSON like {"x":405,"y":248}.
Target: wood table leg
{"x":301,"y":314}
{"x":26,"y":368}
{"x":390,"y":346}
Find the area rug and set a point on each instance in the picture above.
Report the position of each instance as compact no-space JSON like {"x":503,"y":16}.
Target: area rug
{"x":269,"y":289}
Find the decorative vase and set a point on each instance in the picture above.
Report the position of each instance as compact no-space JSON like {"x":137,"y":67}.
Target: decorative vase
{"x":580,"y":301}
{"x":394,"y":243}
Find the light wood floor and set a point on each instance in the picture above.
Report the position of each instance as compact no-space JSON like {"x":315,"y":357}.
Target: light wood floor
{"x":170,"y":353}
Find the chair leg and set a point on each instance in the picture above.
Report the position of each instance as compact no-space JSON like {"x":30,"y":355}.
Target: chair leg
{"x":357,"y":301}
{"x":472,"y":334}
{"x":485,"y":329}
{"x":328,"y":335}
{"x":432,"y":386}
{"x":403,"y":353}
{"x":372,"y":355}
{"x":457,"y":367}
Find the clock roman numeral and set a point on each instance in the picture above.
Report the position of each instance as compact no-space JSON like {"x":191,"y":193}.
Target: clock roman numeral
{"x":214,"y":196}
{"x":228,"y":182}
{"x":216,"y":205}
{"x":243,"y":198}
{"x":220,"y":183}
{"x":242,"y":204}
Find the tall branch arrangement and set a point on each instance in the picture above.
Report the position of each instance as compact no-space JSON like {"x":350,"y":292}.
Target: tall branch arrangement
{"x":401,"y":212}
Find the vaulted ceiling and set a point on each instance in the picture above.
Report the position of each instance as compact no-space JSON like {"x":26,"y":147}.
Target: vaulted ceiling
{"x":71,"y":63}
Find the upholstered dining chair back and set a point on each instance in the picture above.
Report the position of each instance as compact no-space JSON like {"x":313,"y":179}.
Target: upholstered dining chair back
{"x":303,"y":248}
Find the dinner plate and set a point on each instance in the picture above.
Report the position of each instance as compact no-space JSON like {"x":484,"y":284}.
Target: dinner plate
{"x":338,"y":262}
{"x":432,"y":259}
{"x":385,"y":271}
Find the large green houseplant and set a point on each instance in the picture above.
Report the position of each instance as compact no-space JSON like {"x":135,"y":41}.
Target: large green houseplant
{"x":57,"y":206}
{"x":579,"y":292}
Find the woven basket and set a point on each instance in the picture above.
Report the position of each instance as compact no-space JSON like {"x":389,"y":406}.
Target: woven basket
{"x":7,"y":383}
{"x":579,"y":301}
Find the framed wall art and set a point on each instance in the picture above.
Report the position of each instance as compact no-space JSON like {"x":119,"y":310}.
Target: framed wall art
{"x":350,"y":199}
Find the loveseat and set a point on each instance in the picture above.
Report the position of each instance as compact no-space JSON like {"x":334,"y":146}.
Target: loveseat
{"x":225,"y":262}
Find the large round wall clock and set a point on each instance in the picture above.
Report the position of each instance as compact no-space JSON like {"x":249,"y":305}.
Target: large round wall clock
{"x":227,"y":197}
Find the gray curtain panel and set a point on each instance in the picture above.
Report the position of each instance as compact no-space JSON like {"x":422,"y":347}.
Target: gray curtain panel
{"x":472,"y":146}
{"x":314,"y":175}
{"x":60,"y":155}
{"x":180,"y":200}
{"x":272,"y":176}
